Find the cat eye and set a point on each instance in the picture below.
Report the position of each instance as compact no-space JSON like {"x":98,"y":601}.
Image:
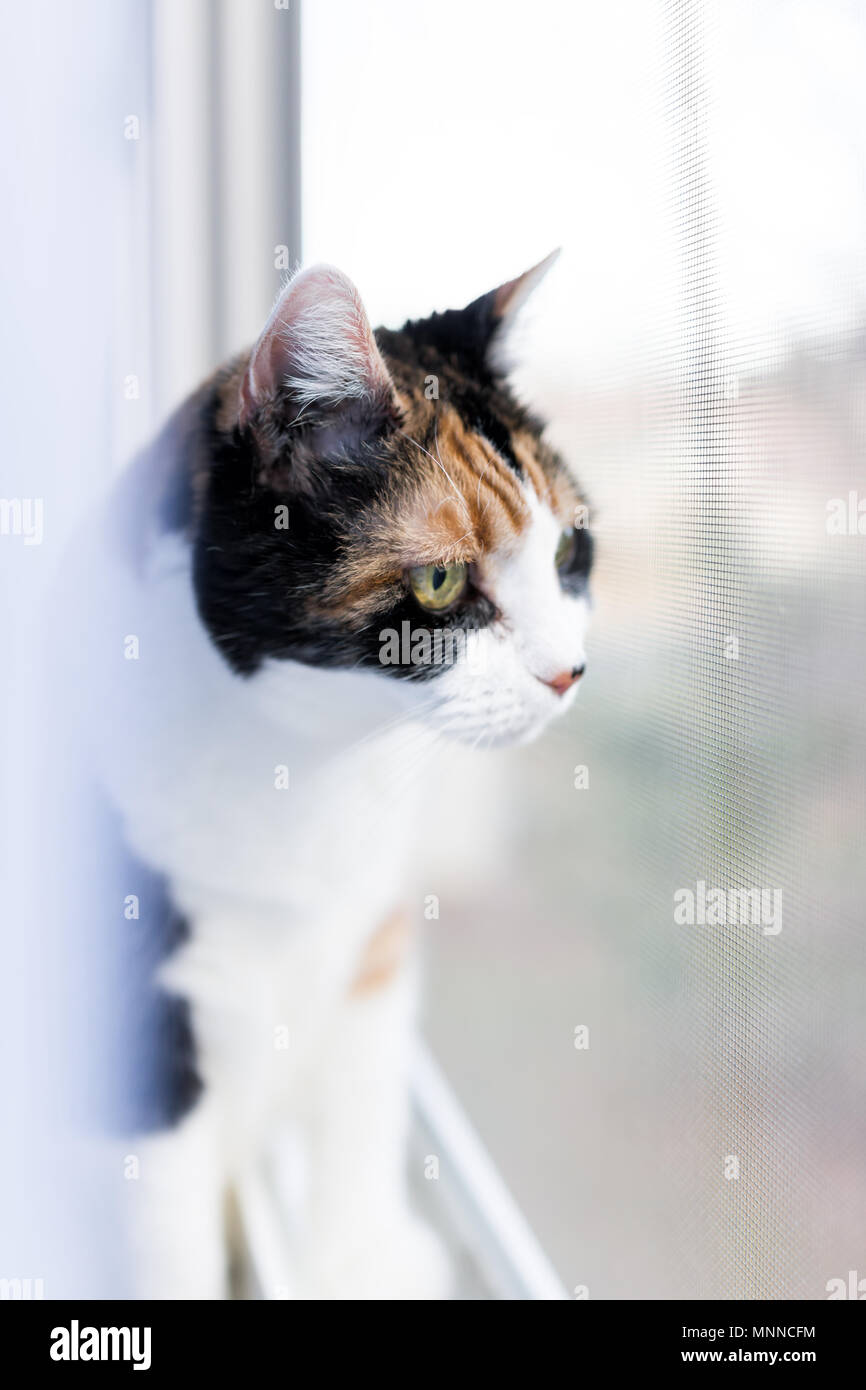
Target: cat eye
{"x":438,"y":586}
{"x":565,"y":549}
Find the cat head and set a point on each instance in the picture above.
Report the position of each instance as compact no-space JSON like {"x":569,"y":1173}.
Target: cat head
{"x":381,"y":502}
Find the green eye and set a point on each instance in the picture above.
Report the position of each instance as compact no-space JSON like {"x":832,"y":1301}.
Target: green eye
{"x":564,"y":549}
{"x":437,"y":586}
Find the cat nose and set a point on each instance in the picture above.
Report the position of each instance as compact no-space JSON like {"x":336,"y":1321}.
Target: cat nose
{"x":566,"y":679}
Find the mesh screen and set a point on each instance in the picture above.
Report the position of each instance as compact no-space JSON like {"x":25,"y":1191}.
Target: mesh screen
{"x":709,"y":1141}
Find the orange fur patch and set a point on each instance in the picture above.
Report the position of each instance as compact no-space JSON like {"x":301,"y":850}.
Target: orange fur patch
{"x":464,"y":501}
{"x":384,"y":955}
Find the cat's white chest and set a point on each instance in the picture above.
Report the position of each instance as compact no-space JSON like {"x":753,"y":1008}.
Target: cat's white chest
{"x":282,"y":810}
{"x":278,"y":788}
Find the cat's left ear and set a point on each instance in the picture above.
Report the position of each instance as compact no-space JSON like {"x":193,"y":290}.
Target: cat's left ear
{"x":317,"y":362}
{"x":493,"y":314}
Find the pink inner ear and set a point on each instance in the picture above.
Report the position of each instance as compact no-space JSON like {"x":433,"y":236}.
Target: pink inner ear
{"x":317,"y":347}
{"x":509,"y":297}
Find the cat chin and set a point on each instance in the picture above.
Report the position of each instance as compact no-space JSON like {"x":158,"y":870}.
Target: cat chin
{"x":509,"y":714}
{"x":522,"y":737}
{"x":516,"y":734}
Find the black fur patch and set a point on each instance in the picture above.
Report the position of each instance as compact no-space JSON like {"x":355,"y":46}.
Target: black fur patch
{"x":154,"y":1079}
{"x":251,"y":579}
{"x":575,"y":576}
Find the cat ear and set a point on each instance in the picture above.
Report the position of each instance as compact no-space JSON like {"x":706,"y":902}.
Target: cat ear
{"x":317,"y":357}
{"x":493,"y":315}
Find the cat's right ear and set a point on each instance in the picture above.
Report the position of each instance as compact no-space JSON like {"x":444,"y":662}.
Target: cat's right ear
{"x":490,"y":319}
{"x":317,"y":362}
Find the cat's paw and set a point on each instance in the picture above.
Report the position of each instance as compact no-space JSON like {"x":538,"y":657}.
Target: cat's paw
{"x":402,"y":1259}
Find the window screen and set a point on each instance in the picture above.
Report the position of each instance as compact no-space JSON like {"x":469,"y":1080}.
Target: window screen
{"x":649,"y":996}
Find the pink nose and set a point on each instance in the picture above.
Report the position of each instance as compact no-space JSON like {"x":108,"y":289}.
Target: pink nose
{"x":566,"y":679}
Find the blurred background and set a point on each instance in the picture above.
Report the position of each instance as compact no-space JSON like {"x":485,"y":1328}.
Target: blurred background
{"x":700,"y":353}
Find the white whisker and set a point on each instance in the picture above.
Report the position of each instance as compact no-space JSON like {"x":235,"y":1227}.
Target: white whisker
{"x":458,"y":494}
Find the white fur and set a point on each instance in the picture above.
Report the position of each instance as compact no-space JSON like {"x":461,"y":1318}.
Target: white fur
{"x":283,"y":888}
{"x":500,"y":696}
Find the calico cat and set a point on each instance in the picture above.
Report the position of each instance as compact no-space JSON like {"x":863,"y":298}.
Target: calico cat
{"x":345,"y":547}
